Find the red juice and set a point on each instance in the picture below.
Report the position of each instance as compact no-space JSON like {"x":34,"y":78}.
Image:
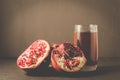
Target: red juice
{"x":89,"y":43}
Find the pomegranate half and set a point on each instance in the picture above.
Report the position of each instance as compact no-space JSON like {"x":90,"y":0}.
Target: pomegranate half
{"x":34,"y":55}
{"x":66,"y":57}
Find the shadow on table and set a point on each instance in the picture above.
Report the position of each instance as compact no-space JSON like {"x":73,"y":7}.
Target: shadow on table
{"x":52,"y":73}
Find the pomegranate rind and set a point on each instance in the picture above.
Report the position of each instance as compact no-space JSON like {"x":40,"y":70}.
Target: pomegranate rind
{"x":54,"y":64}
{"x":39,"y":60}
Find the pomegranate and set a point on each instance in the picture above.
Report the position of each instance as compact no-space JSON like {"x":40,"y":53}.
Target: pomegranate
{"x":66,"y":57}
{"x":34,"y":55}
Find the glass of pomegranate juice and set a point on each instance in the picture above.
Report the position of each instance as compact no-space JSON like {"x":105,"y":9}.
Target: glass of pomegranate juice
{"x":86,"y":37}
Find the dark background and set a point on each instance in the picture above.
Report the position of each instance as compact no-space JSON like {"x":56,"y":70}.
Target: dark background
{"x":24,"y":21}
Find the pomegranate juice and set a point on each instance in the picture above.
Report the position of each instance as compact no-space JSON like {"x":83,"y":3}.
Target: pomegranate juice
{"x":88,"y":41}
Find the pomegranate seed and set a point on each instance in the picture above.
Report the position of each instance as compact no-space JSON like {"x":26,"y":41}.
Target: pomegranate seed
{"x":34,"y":61}
{"x":19,"y":63}
{"x":75,"y":63}
{"x":22,"y":63}
{"x":42,"y":54}
{"x":38,"y":55}
{"x":29,"y":61}
{"x":31,"y":53}
{"x":65,"y":63}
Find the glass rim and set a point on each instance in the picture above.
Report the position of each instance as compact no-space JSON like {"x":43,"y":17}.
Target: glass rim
{"x":80,"y":25}
{"x":91,"y":27}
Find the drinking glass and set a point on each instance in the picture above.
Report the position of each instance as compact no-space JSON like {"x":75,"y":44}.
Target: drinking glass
{"x":86,"y":37}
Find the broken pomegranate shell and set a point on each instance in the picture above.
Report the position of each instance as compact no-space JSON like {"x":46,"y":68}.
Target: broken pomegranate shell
{"x":34,"y":55}
{"x":66,"y":57}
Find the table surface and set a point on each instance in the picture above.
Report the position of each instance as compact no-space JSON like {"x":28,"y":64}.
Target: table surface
{"x":108,"y":69}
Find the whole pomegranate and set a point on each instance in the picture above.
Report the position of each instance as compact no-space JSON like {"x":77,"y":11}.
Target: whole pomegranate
{"x":66,"y":57}
{"x":34,"y":55}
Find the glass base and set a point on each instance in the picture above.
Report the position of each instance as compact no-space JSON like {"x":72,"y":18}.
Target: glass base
{"x":89,"y":68}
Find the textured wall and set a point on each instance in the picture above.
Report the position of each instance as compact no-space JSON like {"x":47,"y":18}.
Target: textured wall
{"x":24,"y":21}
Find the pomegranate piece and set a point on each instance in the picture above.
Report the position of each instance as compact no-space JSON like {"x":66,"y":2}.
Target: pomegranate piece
{"x":34,"y":55}
{"x":66,"y":57}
